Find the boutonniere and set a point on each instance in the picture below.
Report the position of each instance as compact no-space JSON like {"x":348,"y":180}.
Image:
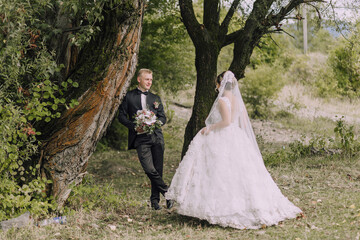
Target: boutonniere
{"x":156,"y":104}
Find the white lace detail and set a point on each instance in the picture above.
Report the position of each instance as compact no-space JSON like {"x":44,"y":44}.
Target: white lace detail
{"x":227,"y":101}
{"x":223,"y":180}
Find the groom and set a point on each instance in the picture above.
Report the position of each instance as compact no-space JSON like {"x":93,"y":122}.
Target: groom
{"x":149,"y":147}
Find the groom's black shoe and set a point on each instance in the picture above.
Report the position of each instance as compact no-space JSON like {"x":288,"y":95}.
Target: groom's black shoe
{"x":155,"y":206}
{"x":169,"y":204}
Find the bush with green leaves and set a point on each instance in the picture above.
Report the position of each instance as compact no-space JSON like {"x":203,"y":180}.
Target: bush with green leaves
{"x":166,"y":48}
{"x":20,"y":187}
{"x":346,"y":137}
{"x":343,"y":144}
{"x":259,"y":89}
{"x":345,"y":63}
{"x":30,"y":95}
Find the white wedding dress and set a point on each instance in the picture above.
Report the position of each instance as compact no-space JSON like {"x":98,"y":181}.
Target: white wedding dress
{"x":222,"y":177}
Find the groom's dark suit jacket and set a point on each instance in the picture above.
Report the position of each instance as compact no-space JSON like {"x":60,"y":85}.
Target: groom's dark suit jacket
{"x":131,"y":104}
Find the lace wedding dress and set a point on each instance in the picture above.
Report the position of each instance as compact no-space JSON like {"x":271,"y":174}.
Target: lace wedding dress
{"x":222,"y":177}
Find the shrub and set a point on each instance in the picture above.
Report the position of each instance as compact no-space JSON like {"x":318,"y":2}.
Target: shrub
{"x":259,"y":88}
{"x":344,"y":61}
{"x":346,"y":137}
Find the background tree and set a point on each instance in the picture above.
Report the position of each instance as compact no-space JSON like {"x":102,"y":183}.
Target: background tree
{"x":210,"y":36}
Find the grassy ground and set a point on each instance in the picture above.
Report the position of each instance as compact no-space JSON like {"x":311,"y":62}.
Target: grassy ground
{"x":112,"y":203}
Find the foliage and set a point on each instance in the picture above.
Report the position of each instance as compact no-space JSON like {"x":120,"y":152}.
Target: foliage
{"x":266,"y":52}
{"x":345,"y":144}
{"x":165,"y":48}
{"x":344,"y":61}
{"x":29,"y":96}
{"x":259,"y":89}
{"x":115,"y":137}
{"x":346,"y":137}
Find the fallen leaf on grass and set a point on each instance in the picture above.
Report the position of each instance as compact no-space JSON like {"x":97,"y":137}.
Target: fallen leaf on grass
{"x":129,"y":220}
{"x":352,"y":206}
{"x":112,"y":227}
{"x":301,"y":215}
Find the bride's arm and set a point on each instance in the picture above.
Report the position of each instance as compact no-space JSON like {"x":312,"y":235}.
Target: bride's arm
{"x":225,"y":115}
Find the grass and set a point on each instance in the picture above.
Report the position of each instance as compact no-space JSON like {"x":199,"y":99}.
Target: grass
{"x":112,"y":203}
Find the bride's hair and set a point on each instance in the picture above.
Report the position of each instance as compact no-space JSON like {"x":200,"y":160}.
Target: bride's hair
{"x":229,"y":85}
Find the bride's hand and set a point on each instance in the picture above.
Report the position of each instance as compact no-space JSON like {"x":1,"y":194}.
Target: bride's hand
{"x":205,"y":130}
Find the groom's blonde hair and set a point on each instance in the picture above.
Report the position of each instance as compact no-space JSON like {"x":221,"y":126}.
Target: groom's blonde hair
{"x":144,"y":70}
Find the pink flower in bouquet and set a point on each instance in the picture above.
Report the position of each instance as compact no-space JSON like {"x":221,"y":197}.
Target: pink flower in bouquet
{"x":146,"y":121}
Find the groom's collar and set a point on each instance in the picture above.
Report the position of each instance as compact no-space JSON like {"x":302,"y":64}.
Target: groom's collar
{"x":138,"y":91}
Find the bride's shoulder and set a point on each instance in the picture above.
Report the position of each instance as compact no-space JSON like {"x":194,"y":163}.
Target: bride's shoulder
{"x":225,"y":99}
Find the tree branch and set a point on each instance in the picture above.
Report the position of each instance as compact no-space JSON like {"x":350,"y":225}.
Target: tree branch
{"x":225,"y":24}
{"x":211,"y":14}
{"x":230,"y":38}
{"x":259,"y":12}
{"x":189,"y":19}
{"x":336,"y":23}
{"x":274,"y":20}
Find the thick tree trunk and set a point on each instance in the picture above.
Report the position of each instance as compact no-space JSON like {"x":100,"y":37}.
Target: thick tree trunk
{"x":103,"y":70}
{"x":206,"y":68}
{"x":211,"y":36}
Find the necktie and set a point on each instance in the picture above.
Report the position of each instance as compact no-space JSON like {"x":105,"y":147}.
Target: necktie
{"x":141,"y":92}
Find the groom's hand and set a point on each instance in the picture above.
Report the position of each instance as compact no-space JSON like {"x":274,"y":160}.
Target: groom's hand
{"x":139,"y":130}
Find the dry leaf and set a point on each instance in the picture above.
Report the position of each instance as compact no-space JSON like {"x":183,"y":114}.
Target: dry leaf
{"x":112,"y":227}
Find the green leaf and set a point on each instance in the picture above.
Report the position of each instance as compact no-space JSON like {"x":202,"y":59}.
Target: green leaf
{"x":46,"y":95}
{"x":47,"y":119}
{"x":75,"y":84}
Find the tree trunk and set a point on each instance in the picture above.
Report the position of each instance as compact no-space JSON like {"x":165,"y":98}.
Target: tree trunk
{"x":206,"y":68}
{"x":103,"y":70}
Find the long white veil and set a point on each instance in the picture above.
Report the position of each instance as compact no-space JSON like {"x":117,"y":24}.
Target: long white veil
{"x":239,"y":114}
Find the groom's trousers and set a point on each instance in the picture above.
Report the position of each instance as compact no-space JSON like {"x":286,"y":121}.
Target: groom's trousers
{"x":150,"y":149}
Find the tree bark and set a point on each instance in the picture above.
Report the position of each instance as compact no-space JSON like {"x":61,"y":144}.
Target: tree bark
{"x":103,"y":70}
{"x":205,"y":38}
{"x":206,"y":68}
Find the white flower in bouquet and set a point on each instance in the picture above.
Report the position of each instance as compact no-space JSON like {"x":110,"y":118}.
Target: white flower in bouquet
{"x":146,"y":121}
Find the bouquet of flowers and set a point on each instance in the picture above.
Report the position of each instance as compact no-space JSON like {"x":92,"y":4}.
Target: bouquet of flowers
{"x":146,"y":121}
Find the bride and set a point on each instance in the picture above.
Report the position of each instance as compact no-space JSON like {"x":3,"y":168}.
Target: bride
{"x":222,"y":177}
